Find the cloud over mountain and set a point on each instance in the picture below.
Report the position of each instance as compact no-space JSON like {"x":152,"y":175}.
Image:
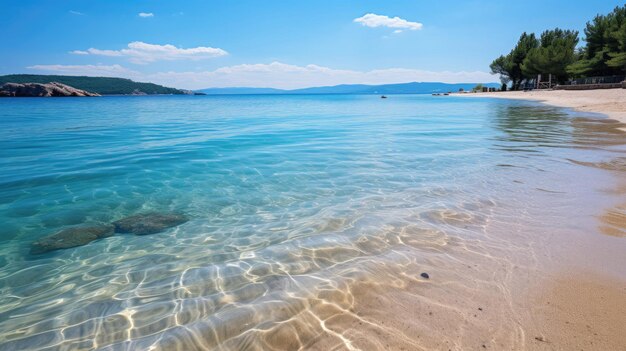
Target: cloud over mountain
{"x":141,"y":53}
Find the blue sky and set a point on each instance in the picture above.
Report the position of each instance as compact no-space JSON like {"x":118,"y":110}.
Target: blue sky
{"x":284,"y":44}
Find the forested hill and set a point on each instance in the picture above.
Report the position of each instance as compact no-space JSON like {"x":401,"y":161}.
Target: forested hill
{"x":99,"y":85}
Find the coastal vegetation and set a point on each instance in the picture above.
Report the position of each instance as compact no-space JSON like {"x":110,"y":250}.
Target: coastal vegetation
{"x":605,"y":52}
{"x":555,"y":52}
{"x":98,"y":85}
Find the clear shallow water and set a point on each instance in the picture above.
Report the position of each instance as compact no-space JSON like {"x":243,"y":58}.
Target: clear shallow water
{"x":291,"y":199}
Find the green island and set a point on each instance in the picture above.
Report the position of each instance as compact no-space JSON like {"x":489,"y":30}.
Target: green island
{"x":98,"y":85}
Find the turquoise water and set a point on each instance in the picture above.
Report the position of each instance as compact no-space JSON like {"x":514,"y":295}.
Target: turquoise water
{"x":290,"y":197}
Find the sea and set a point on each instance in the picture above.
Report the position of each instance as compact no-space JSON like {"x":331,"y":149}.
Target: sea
{"x":296,"y":204}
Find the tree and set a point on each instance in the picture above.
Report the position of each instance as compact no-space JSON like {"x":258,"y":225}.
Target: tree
{"x":557,"y":50}
{"x":501,"y":66}
{"x":555,"y":53}
{"x":510,"y":66}
{"x":478,"y":88}
{"x":618,"y":57}
{"x":605,"y":50}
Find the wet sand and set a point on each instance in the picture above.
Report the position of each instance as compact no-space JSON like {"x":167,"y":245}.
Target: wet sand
{"x":610,"y":102}
{"x":571,"y":295}
{"x":581,"y":311}
{"x":572,"y":312}
{"x":497,"y":303}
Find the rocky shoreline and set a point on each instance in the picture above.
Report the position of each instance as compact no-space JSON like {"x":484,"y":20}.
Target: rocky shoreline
{"x":52,"y":89}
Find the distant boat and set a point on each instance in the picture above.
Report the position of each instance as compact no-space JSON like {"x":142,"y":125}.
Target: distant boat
{"x":436,"y":94}
{"x":383,"y":97}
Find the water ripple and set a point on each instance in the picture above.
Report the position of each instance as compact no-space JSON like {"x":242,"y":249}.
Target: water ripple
{"x":299,"y":205}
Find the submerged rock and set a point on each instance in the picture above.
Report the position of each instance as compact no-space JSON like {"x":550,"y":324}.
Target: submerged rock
{"x":41,"y":90}
{"x":71,"y":237}
{"x":149,"y":223}
{"x":425,"y":275}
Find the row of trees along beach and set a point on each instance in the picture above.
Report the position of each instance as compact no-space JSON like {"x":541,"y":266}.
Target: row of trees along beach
{"x":556,"y":54}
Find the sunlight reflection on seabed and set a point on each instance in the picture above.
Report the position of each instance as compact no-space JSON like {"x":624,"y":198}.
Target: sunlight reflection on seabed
{"x":317,"y":241}
{"x":280,"y":296}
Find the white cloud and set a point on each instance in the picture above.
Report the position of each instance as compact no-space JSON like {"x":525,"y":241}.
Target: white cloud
{"x":374,"y":20}
{"x":146,"y":14}
{"x":141,"y":53}
{"x":92,"y":51}
{"x":76,"y":13}
{"x":79,"y":52}
{"x":285,"y":76}
{"x":87,"y":70}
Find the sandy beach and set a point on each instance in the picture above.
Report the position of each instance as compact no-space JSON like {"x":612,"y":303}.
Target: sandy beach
{"x":610,"y":102}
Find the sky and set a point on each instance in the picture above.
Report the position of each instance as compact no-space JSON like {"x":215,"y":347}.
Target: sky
{"x":276,"y":43}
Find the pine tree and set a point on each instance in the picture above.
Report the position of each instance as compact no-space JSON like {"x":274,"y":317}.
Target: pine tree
{"x":557,"y":50}
{"x":605,"y":51}
{"x":509,"y":66}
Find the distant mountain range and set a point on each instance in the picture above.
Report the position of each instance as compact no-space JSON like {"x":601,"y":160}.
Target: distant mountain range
{"x":98,"y":85}
{"x":402,"y":88}
{"x":123,"y":86}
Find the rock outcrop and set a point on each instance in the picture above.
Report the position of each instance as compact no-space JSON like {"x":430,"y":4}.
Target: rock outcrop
{"x":138,"y":92}
{"x":41,"y":90}
{"x":149,"y":223}
{"x":141,"y":224}
{"x":71,"y":237}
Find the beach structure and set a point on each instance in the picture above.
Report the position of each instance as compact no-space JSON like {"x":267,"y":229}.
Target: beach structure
{"x":544,"y":84}
{"x":603,"y":82}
